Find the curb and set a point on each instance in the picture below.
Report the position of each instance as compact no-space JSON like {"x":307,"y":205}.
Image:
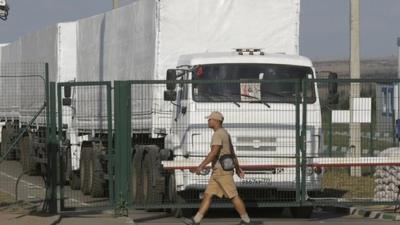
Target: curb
{"x":56,"y":221}
{"x":374,"y":214}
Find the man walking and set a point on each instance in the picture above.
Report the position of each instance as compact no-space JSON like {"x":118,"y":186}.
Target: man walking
{"x":221,"y":182}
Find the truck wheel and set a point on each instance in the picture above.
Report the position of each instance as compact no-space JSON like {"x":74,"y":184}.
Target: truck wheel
{"x":4,"y":142}
{"x":8,"y":138}
{"x":96,"y":174}
{"x":136,"y":176}
{"x":176,"y":199}
{"x":30,"y":164}
{"x":74,"y":181}
{"x":23,"y":146}
{"x":84,"y":168}
{"x":153,"y":179}
{"x":302,"y":212}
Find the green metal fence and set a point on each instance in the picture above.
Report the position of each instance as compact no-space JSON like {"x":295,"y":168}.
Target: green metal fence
{"x":297,"y":140}
{"x":171,"y":137}
{"x":86,"y":143}
{"x":334,"y":159}
{"x":360,"y":147}
{"x":24,"y":122}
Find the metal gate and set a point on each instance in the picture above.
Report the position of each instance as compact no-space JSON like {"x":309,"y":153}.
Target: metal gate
{"x":160,"y":111}
{"x":86,"y":143}
{"x":292,"y":142}
{"x":24,"y":123}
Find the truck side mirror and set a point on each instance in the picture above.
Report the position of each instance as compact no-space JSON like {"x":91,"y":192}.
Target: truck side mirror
{"x":67,"y":91}
{"x":66,"y":102}
{"x":333,"y":97}
{"x":171,"y":77}
{"x":170,"y":95}
{"x":67,"y":96}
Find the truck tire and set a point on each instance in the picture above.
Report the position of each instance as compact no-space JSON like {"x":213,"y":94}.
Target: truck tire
{"x":84,"y":165}
{"x":74,"y":181}
{"x":97,"y":181}
{"x":302,"y":212}
{"x":176,"y":199}
{"x":153,"y":179}
{"x":8,"y":135}
{"x":28,"y":163}
{"x":136,"y":176}
{"x":4,"y":142}
{"x":23,"y":146}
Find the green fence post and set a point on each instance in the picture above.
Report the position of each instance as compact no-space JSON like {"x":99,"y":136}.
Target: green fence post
{"x":123,"y":141}
{"x":371,"y":139}
{"x":298,"y":142}
{"x":59,"y":140}
{"x":52,"y":149}
{"x":304,"y":143}
{"x":110,"y":149}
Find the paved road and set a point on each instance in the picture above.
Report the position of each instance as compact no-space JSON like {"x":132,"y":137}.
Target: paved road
{"x":261,"y":217}
{"x":31,"y":188}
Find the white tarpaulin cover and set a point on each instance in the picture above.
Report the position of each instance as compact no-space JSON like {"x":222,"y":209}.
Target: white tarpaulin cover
{"x":142,"y":40}
{"x":55,"y":45}
{"x":198,"y":26}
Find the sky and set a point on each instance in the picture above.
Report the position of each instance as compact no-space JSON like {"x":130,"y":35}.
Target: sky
{"x":324,"y":25}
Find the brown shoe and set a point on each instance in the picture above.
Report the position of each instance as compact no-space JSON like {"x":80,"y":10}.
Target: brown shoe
{"x":190,"y":221}
{"x":244,"y":223}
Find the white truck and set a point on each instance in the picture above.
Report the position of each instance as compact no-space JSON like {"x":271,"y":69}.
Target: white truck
{"x":22,"y":89}
{"x":193,"y":40}
{"x":144,"y":40}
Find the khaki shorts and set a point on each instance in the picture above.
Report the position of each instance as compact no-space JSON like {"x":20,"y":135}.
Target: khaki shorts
{"x":222,"y":185}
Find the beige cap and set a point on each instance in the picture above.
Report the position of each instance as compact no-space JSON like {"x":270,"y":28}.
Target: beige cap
{"x":216,"y":116}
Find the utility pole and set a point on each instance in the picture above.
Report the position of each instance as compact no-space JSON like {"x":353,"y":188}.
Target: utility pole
{"x":355,"y":127}
{"x":397,"y":98}
{"x":115,"y":4}
{"x":398,"y":45}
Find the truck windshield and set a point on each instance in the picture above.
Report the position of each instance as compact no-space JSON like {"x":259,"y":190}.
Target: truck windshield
{"x":274,"y":92}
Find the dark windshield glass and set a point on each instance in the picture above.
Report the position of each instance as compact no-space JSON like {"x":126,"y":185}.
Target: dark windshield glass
{"x":275,"y":92}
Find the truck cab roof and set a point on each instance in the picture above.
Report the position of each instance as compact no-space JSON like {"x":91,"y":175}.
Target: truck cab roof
{"x":245,"y":58}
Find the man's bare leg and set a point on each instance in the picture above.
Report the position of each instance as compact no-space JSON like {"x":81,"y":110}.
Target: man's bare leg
{"x":204,"y":206}
{"x":240,"y":208}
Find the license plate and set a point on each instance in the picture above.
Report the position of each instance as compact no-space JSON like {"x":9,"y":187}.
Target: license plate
{"x":257,"y":181}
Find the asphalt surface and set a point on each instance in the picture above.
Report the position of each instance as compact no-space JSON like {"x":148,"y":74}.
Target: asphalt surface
{"x":31,"y":188}
{"x":260,"y":217}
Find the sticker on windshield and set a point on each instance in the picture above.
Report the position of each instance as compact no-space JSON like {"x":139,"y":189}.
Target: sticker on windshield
{"x":250,"y":91}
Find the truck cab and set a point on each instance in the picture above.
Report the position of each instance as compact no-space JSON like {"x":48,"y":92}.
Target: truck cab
{"x":260,"y":116}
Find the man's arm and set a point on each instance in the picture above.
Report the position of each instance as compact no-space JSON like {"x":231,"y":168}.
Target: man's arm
{"x":210,"y":157}
{"x":235,"y":159}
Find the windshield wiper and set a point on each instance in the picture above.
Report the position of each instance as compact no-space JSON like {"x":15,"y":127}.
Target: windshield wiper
{"x":258,"y":100}
{"x":209,"y":94}
{"x":275,"y":94}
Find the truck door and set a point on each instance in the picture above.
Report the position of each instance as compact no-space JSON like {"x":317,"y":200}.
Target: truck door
{"x":181,"y":115}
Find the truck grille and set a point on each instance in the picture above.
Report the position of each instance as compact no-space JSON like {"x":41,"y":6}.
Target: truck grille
{"x":252,"y":148}
{"x":256,"y":139}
